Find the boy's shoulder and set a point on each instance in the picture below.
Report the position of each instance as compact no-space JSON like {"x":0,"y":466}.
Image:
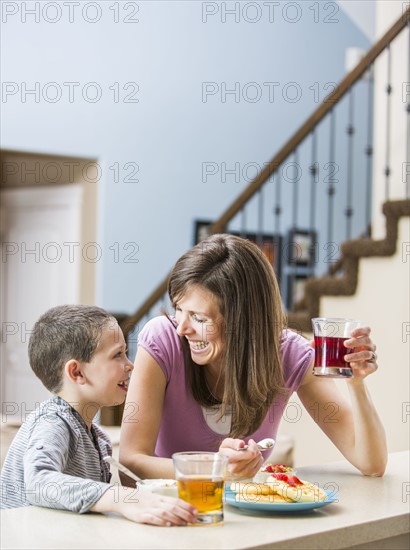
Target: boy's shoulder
{"x":53,"y":414}
{"x":49,"y":421}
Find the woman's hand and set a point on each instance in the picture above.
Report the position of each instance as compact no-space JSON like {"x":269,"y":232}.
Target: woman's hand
{"x":242,"y":464}
{"x":363,"y":359}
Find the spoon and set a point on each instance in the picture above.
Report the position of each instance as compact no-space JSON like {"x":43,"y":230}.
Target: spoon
{"x":263,"y":445}
{"x":122,"y":468}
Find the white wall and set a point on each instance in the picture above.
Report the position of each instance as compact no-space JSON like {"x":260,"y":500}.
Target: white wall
{"x":362,"y":13}
{"x":382,"y":298}
{"x":381,"y":301}
{"x":386,"y":14}
{"x":171,"y":51}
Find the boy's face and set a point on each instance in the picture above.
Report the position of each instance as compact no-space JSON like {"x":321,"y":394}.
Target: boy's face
{"x":108,"y":372}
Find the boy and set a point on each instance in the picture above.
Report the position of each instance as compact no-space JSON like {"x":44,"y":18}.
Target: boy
{"x":56,"y":458}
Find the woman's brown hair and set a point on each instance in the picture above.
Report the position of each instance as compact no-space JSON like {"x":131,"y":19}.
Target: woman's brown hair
{"x":241,"y":278}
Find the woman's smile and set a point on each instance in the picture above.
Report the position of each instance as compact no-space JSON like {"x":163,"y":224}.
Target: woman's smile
{"x":198,"y":346}
{"x":199,"y":320}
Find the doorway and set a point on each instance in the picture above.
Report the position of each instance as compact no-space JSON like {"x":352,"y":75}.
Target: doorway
{"x":43,"y":237}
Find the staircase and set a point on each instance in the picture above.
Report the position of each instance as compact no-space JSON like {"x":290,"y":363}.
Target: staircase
{"x":323,"y":219}
{"x":349,"y":263}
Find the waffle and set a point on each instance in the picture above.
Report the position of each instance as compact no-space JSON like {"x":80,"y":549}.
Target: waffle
{"x":279,"y":488}
{"x":295,"y":489}
{"x":256,"y":492}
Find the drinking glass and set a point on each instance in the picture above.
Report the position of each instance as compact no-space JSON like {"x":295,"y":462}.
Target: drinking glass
{"x":200,"y":477}
{"x":330,"y":334}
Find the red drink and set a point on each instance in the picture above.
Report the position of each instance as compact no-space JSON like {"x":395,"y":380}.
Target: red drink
{"x":330,"y":334}
{"x":329,"y":357}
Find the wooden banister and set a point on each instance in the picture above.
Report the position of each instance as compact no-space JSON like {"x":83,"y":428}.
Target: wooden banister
{"x":127,"y":323}
{"x":307,"y":127}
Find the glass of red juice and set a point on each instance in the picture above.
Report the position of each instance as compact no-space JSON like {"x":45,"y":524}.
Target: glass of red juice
{"x":330,"y":335}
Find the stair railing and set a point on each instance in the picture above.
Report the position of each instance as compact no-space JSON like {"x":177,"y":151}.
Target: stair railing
{"x":236,"y":213}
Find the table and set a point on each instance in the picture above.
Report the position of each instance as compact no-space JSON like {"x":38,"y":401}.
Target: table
{"x":371,"y":513}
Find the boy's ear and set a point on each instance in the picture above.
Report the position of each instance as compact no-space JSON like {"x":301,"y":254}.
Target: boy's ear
{"x":74,"y":372}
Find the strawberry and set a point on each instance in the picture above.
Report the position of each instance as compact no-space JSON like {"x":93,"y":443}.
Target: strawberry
{"x":296,"y":480}
{"x":290,"y":480}
{"x":281,"y":477}
{"x":276,"y":468}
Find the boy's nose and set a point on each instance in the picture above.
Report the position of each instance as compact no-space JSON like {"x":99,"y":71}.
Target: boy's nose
{"x":128,"y":366}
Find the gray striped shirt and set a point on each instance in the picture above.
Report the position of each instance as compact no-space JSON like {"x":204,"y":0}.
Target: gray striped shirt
{"x":56,"y":461}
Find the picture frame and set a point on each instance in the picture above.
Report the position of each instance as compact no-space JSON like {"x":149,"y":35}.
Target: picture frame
{"x":295,"y":289}
{"x":301,"y":249}
{"x":270,"y":244}
{"x":201,"y":230}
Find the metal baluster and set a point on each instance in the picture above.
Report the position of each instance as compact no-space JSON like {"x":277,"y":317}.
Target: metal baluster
{"x":295,"y":191}
{"x":295,"y":248}
{"x":349,"y":200}
{"x":259,"y":238}
{"x":314,"y":170}
{"x":277,"y":211}
{"x":331,"y":188}
{"x":314,"y":175}
{"x":369,"y":152}
{"x":388,"y":120}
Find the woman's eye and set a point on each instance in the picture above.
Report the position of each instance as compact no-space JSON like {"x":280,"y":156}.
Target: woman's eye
{"x":198,"y":319}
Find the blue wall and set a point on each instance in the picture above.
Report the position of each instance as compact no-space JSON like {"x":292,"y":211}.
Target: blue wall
{"x":174,"y":128}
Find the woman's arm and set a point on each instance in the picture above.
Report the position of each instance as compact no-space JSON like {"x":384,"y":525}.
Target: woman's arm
{"x":355,"y":428}
{"x":142,"y":419}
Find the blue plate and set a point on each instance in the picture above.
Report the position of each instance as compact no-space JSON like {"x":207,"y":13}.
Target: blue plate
{"x":274,"y":507}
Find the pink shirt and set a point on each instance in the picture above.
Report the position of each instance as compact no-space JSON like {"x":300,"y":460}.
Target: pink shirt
{"x":183,"y":426}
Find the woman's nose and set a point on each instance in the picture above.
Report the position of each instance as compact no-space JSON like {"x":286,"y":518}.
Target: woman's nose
{"x":183,"y":327}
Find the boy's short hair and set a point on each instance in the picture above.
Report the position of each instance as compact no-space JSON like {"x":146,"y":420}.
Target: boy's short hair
{"x":63,"y":333}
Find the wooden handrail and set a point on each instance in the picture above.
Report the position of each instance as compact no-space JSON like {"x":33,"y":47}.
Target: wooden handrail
{"x":127,"y":324}
{"x":219,"y":225}
{"x":327,"y":105}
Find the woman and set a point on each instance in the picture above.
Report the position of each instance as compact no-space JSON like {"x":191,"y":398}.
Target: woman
{"x":218,"y":375}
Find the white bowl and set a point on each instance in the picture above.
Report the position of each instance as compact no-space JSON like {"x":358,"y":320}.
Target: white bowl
{"x":166,"y":487}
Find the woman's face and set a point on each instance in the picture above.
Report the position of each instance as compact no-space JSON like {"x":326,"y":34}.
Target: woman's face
{"x":199,"y":320}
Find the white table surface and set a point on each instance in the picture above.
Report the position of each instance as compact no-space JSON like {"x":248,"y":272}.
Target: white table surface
{"x":369,"y":509}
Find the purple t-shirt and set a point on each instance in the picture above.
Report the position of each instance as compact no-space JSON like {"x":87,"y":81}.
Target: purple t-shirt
{"x":183,"y":425}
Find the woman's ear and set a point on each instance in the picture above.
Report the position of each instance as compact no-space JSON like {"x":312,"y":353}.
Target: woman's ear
{"x":74,"y":372}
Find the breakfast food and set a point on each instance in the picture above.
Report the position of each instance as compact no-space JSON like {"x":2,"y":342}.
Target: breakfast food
{"x":279,"y":487}
{"x":256,"y":492}
{"x":276,"y":468}
{"x":296,"y":489}
{"x":269,"y":469}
